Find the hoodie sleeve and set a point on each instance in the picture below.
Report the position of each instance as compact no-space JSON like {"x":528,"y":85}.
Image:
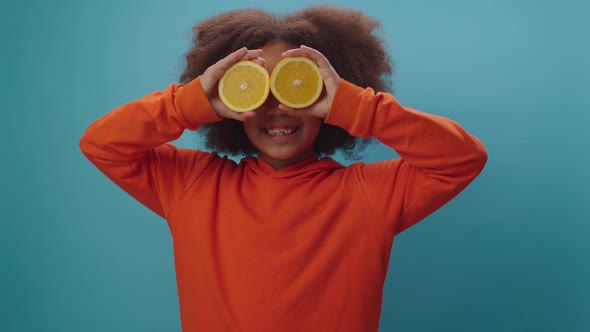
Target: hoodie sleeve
{"x":130,"y":144}
{"x":438,"y":157}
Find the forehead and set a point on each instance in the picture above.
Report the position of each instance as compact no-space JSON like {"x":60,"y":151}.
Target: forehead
{"x":272,"y":52}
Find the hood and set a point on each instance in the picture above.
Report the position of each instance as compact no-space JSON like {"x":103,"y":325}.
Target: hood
{"x":307,"y":168}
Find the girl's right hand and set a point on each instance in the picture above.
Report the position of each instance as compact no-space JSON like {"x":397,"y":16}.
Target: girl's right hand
{"x":211,"y":77}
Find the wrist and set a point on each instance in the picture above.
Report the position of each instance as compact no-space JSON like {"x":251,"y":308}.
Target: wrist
{"x":194,"y":106}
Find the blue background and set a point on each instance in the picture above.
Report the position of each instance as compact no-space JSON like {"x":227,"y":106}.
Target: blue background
{"x":511,"y":253}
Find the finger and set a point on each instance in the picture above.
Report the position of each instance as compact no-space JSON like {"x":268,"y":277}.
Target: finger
{"x":293,"y":111}
{"x":232,"y":58}
{"x":260,"y":61}
{"x":243,"y":53}
{"x":308,"y":52}
{"x":216,"y":71}
{"x":293,"y":52}
{"x":243,"y":116}
{"x":252,"y":54}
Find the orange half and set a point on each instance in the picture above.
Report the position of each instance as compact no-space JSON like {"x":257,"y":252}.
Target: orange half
{"x":296,"y":82}
{"x":244,"y":86}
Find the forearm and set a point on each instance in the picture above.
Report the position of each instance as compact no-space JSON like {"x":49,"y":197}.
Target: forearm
{"x":431,"y":143}
{"x":129,"y":131}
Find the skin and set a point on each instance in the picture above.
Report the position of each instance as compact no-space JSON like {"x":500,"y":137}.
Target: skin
{"x":283,"y":151}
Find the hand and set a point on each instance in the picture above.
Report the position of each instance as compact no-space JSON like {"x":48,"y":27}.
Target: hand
{"x":331,"y":80}
{"x":211,"y":77}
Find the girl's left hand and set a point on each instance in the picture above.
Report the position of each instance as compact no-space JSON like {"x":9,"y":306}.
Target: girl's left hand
{"x":331,"y":80}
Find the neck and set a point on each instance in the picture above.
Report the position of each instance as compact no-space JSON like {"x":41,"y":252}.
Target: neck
{"x":278,"y":164}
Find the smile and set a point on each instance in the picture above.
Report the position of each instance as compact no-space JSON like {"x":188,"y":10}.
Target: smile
{"x":280,"y":131}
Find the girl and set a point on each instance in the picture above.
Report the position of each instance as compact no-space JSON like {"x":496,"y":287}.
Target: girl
{"x":287,"y":239}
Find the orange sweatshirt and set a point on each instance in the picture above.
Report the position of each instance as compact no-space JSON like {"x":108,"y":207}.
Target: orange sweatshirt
{"x":305,"y":248}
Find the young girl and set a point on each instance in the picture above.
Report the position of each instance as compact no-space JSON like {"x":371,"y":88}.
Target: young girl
{"x":287,"y":239}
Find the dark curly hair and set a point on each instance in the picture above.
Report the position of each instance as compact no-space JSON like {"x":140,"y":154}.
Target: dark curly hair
{"x":348,"y":38}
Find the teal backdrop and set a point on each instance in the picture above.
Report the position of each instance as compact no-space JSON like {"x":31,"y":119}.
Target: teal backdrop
{"x":511,"y":253}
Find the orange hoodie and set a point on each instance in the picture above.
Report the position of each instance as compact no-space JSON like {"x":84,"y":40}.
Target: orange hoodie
{"x":304,"y":248}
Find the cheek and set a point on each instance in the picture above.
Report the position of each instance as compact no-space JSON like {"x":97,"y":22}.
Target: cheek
{"x":250,"y":128}
{"x":313,"y":129}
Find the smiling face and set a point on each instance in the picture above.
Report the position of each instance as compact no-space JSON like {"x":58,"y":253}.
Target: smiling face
{"x":282,"y":140}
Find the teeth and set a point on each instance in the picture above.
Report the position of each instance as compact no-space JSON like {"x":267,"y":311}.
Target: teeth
{"x":279,"y":132}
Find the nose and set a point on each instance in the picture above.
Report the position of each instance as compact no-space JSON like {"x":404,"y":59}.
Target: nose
{"x":271,"y":106}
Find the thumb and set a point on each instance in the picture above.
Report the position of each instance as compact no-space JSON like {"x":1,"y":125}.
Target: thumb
{"x":213,"y":73}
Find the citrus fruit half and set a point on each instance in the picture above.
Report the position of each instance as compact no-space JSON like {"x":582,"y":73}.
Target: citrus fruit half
{"x":296,"y":82}
{"x":244,"y":86}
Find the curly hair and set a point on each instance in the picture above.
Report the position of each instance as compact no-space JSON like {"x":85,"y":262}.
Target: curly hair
{"x":348,"y":38}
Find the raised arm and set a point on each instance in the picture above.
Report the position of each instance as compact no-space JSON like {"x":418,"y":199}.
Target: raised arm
{"x":438,"y":157}
{"x":130,"y":143}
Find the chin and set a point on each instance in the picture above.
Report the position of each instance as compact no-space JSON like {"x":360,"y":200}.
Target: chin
{"x":285,"y":155}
